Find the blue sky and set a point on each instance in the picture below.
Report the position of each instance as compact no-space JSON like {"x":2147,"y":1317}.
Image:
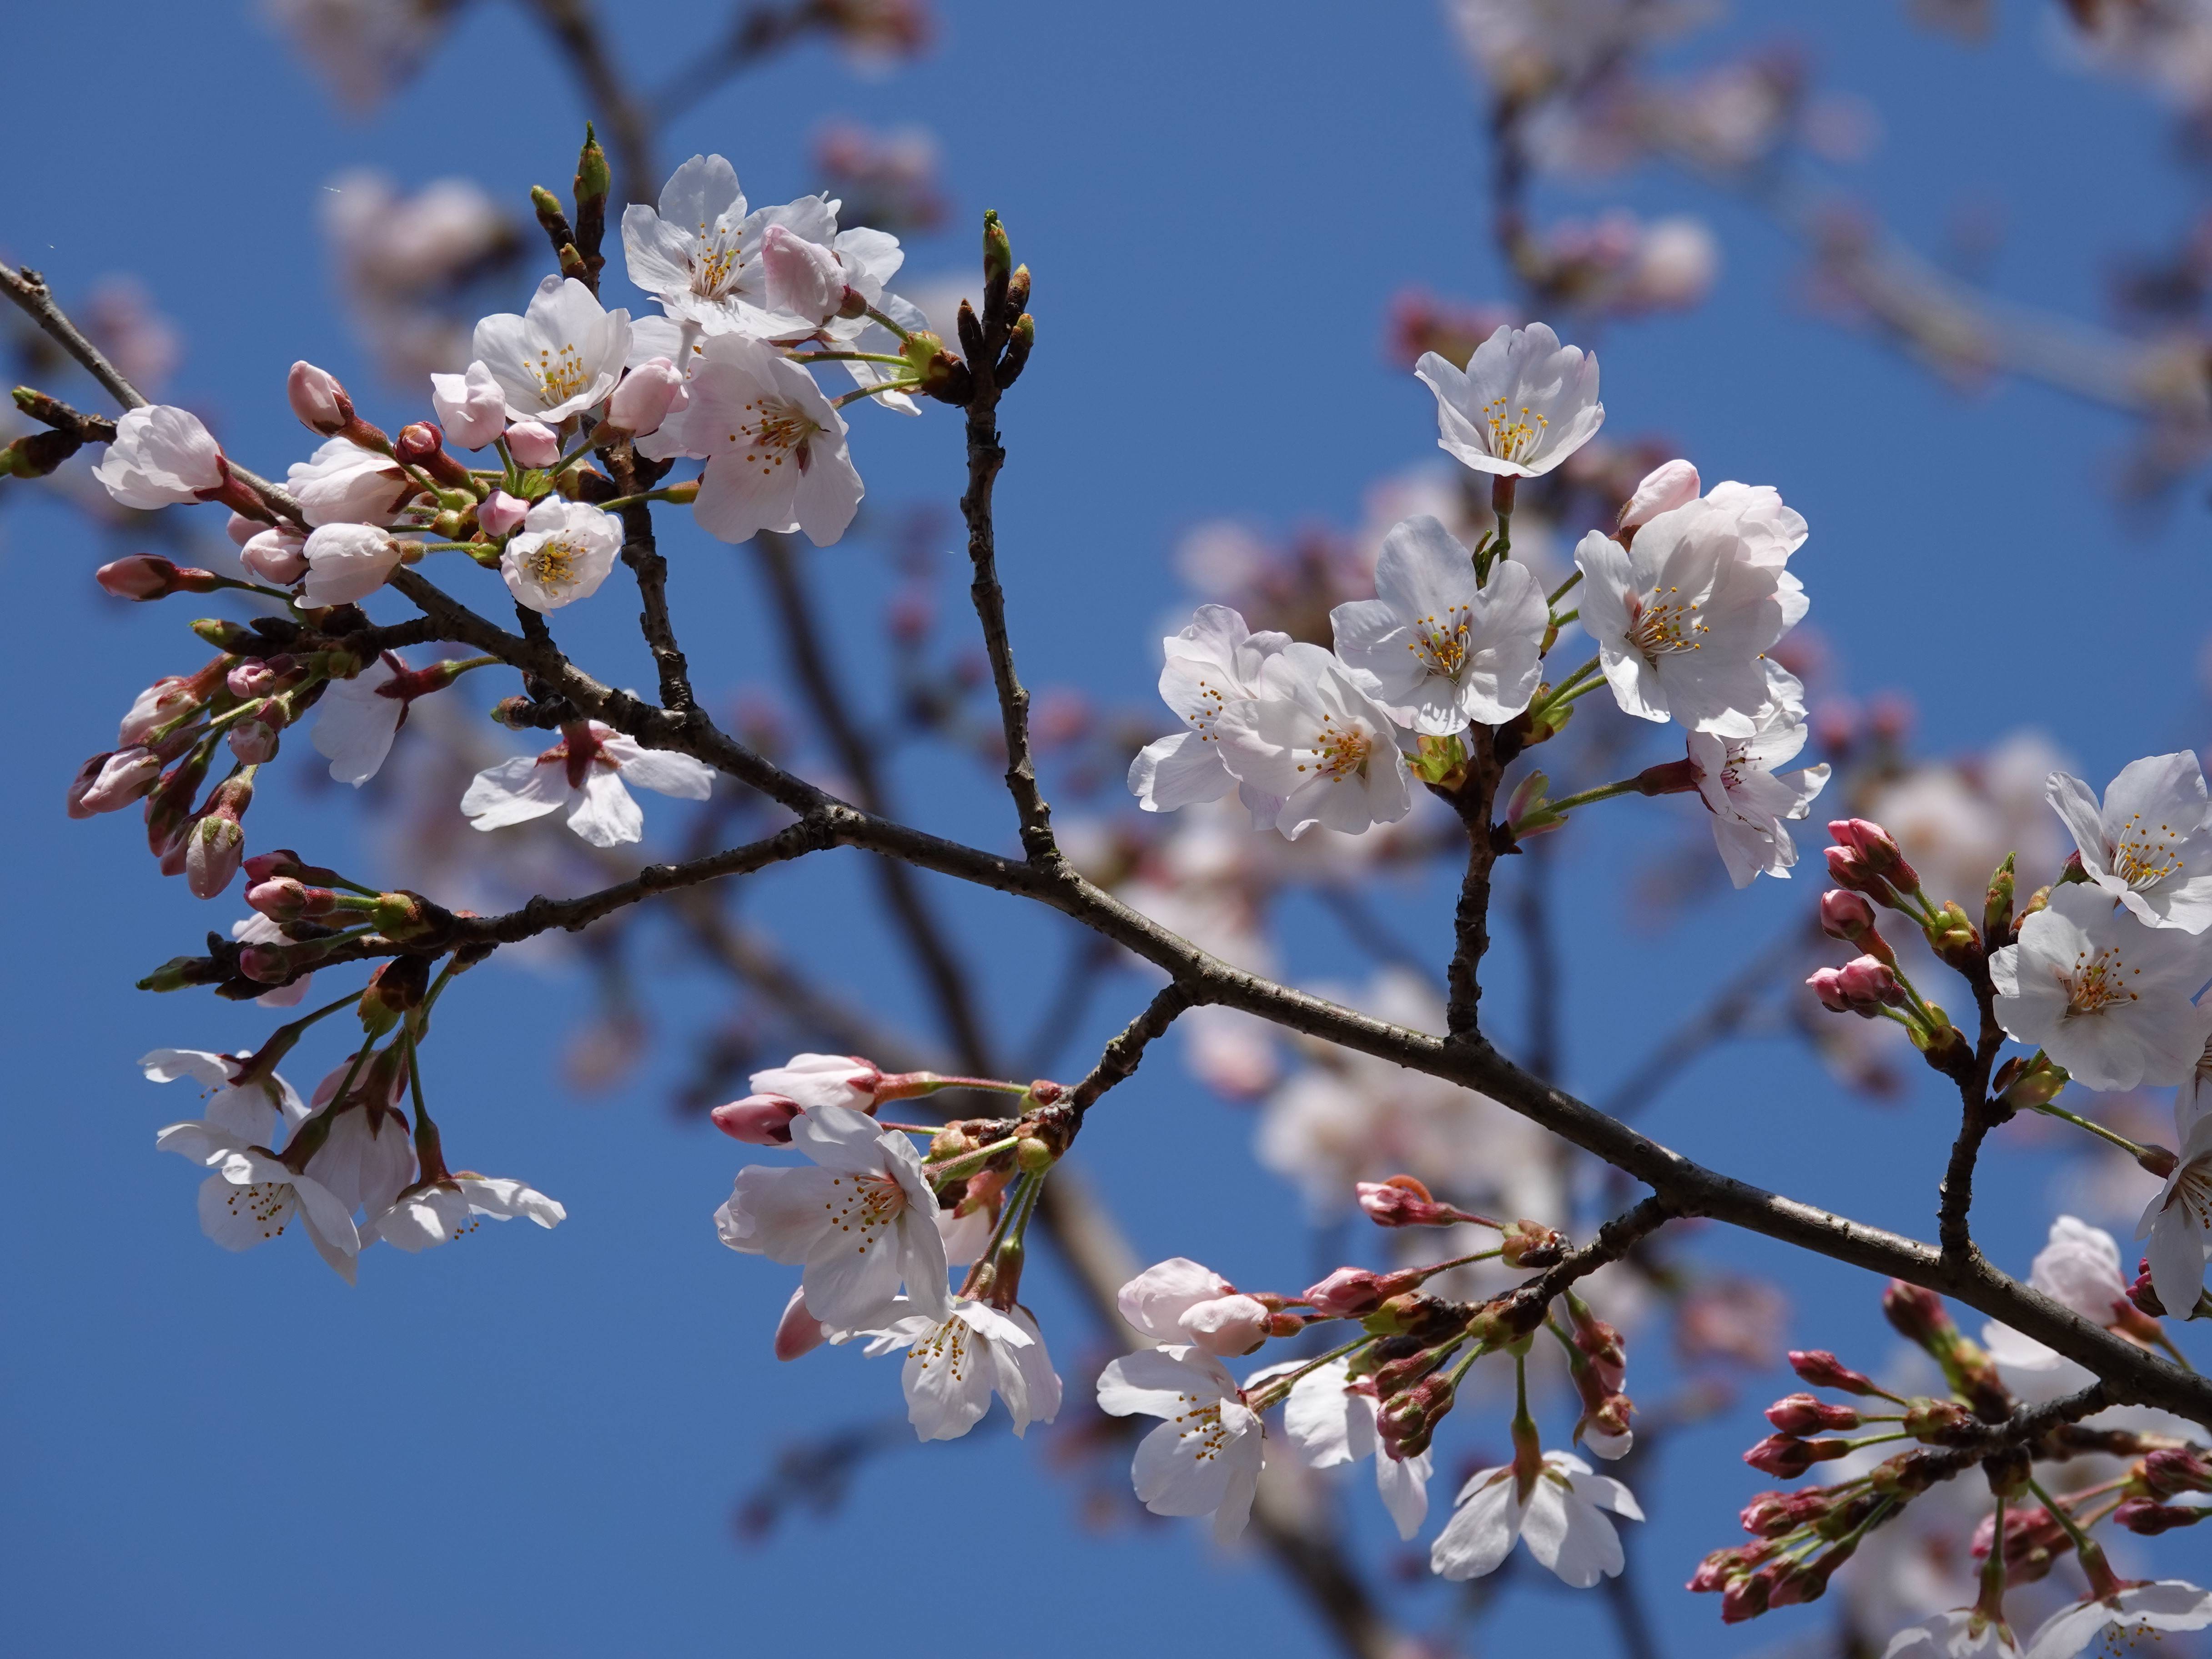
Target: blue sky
{"x":534,"y":1442}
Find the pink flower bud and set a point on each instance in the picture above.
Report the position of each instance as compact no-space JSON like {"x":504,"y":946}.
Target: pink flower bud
{"x":1744,"y":1598}
{"x":1403,"y":1202}
{"x":148,"y":576}
{"x":1827,"y":985}
{"x":469,"y":406}
{"x":1775,"y":1514}
{"x":1845,"y":915}
{"x":242,"y":529}
{"x":253,"y":742}
{"x":2145,"y":1519}
{"x":1824,"y":1370}
{"x":533,"y":443}
{"x":1869,"y":980}
{"x":1155,"y":1300}
{"x":250,"y":678}
{"x":1664,"y":487}
{"x":117,"y":781}
{"x":317,"y":399}
{"x":648,"y":395}
{"x":1347,"y":1292}
{"x":276,"y":555}
{"x":1802,"y":1414}
{"x":1228,"y":1325}
{"x":1785,"y":1455}
{"x":1877,"y":850}
{"x":804,"y":278}
{"x":212,"y":854}
{"x":500,"y":513}
{"x":1917,"y":1315}
{"x":418,"y":441}
{"x":797,"y":1332}
{"x":2172,"y":1470}
{"x":757,"y":1119}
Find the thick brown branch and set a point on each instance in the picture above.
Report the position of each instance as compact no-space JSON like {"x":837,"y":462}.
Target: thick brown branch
{"x":1471,"y":919}
{"x":642,"y":553}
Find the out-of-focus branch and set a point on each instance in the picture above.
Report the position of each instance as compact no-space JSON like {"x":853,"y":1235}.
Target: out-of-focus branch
{"x":1717,"y":1021}
{"x":573,"y":26}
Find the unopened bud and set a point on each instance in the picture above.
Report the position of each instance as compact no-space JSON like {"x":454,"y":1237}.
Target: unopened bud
{"x":1932,"y":1419}
{"x":2023,"y":1085}
{"x":145,"y":576}
{"x":1347,"y":1293}
{"x":212,"y":854}
{"x":422,"y":444}
{"x":647,"y":396}
{"x":757,"y":1119}
{"x":1670,"y":485}
{"x":2145,"y":1519}
{"x":225,"y":635}
{"x":2172,"y":1470}
{"x":797,"y":1332}
{"x":533,"y":444}
{"x":109,"y":782}
{"x":1403,"y":1202}
{"x":318,"y":399}
{"x":1996,"y":905}
{"x":500,"y":513}
{"x":1407,"y":1421}
{"x":1531,"y":1244}
{"x":1034,"y":1155}
{"x":1953,"y":938}
{"x":253,"y":742}
{"x":1917,"y":1315}
{"x":997,"y":254}
{"x":1227,"y":1325}
{"x":1746,"y":1598}
{"x":277,"y":555}
{"x":1802,"y":1414}
{"x":1786,"y":1456}
{"x":1845,"y":915}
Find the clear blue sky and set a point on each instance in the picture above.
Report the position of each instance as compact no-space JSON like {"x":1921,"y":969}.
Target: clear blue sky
{"x":533,"y":1442}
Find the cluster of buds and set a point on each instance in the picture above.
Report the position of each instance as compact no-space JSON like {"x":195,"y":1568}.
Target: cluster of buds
{"x":1869,"y":870}
{"x":1598,"y":1359}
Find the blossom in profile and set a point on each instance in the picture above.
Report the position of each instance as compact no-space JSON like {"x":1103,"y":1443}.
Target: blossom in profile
{"x":1754,"y":803}
{"x":1557,"y":1511}
{"x":1958,"y":1633}
{"x":1331,"y":1420}
{"x":2149,"y":843}
{"x":955,"y":1363}
{"x":585,"y":774}
{"x":161,"y":456}
{"x":2178,"y":1222}
{"x":1211,"y":664}
{"x":1523,"y":404}
{"x":346,"y":483}
{"x":562,"y":356}
{"x":1314,"y":737}
{"x":1204,"y":1458}
{"x":1437,"y":649}
{"x":2105,"y":997}
{"x":2079,"y":1269}
{"x":438,"y":1211}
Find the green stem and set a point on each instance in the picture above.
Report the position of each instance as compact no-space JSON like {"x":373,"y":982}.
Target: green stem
{"x":844,"y":357}
{"x":2096,"y":1130}
{"x":686,"y":491}
{"x":900,"y":332}
{"x":1279,"y":1387}
{"x":968,"y":1163}
{"x":880,"y":388}
{"x":1604,"y":791}
{"x":1565,"y":617}
{"x":1564,"y":589}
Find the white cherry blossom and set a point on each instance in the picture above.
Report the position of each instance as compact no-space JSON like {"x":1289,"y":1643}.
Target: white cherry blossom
{"x":439,"y":1212}
{"x":1558,"y":1517}
{"x":356,"y":719}
{"x":254,"y":1109}
{"x":161,"y":456}
{"x":1330,"y":1422}
{"x":471,"y":406}
{"x":561,"y":357}
{"x":2105,"y":997}
{"x":810,"y":1080}
{"x":2178,"y":1222}
{"x":252,"y":1198}
{"x":345,"y":483}
{"x":2080,"y":1268}
{"x":954,"y":1364}
{"x":1204,"y":1458}
{"x":1666,"y":487}
{"x":1178,"y":1301}
{"x":367,"y":1158}
{"x":2149,"y":844}
{"x":1435,"y":649}
{"x":1959,"y":1633}
{"x":1683,"y":619}
{"x":699,"y":252}
{"x":774,"y":448}
{"x":561,"y":554}
{"x":1523,"y":404}
{"x":348,"y":561}
{"x":861,"y":1221}
{"x":1752,"y":804}
{"x":1314,"y":738}
{"x":585,"y":774}
{"x":2168,"y":1604}
{"x":1212,"y":663}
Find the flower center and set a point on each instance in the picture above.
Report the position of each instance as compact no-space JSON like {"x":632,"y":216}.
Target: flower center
{"x":1663,"y":624}
{"x":715,"y":273}
{"x":560,"y":372}
{"x":1441,"y":647}
{"x":1199,"y":1432}
{"x":1214,"y":701}
{"x":1511,"y":438}
{"x":947,"y":1345}
{"x":552,"y":563}
{"x":267,"y":1204}
{"x":775,"y":428}
{"x":2143,"y":857}
{"x":2098,"y":981}
{"x":865,"y":1204}
{"x":1338,"y":750}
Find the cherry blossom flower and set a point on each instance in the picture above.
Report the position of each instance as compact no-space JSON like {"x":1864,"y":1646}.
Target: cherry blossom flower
{"x":253,"y":1108}
{"x":2105,"y":997}
{"x":1332,"y":1421}
{"x":348,"y":561}
{"x":1178,"y":1301}
{"x":1754,"y":804}
{"x":1435,"y":649}
{"x":357,"y":720}
{"x":774,"y":446}
{"x":251,"y":1197}
{"x":1314,"y":738}
{"x":2168,"y":1604}
{"x":2149,"y":845}
{"x":345,"y":483}
{"x":533,"y":444}
{"x":2080,"y":1268}
{"x":559,"y":358}
{"x":1210,"y":665}
{"x":439,"y":1212}
{"x":161,"y":456}
{"x":470,"y":405}
{"x":1666,"y":487}
{"x":954,"y":1364}
{"x":1960,"y":1633}
{"x":691,"y":252}
{"x":1683,"y":619}
{"x":1204,"y":1459}
{"x":585,"y":774}
{"x":1557,"y":1516}
{"x":278,"y":553}
{"x":860,"y":1223}
{"x":561,"y":554}
{"x":367,"y":1159}
{"x":1523,"y":404}
{"x":2178,"y":1222}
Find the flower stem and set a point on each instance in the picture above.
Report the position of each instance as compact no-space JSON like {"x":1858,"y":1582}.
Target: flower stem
{"x":968,"y":1163}
{"x":881,"y":387}
{"x":1279,"y":1387}
{"x":2096,"y":1129}
{"x":1564,"y":589}
{"x":879,"y":317}
{"x":844,"y":357}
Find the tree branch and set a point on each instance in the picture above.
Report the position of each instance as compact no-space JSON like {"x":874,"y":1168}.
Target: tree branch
{"x":575,"y":28}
